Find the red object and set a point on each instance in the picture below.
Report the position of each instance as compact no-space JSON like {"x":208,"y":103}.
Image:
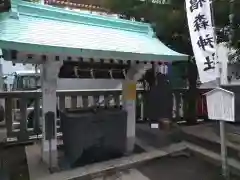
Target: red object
{"x":202,"y":106}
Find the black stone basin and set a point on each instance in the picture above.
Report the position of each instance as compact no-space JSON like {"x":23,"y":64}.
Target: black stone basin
{"x":92,"y":135}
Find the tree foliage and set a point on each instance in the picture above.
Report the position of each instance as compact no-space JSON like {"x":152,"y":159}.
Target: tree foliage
{"x":170,"y":22}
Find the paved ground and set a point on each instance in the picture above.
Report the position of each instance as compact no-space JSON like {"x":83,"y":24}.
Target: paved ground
{"x":13,"y":163}
{"x":131,"y":174}
{"x":155,"y":137}
{"x":170,"y":168}
{"x":186,"y":168}
{"x":180,"y":167}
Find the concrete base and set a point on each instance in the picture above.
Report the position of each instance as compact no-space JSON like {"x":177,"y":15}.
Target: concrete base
{"x":130,"y":145}
{"x":54,"y":161}
{"x":36,"y":167}
{"x":46,"y":153}
{"x":131,"y":174}
{"x":39,"y":171}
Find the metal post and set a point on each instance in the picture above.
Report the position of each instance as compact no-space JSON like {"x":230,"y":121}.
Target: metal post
{"x":222,"y":123}
{"x":223,"y":150}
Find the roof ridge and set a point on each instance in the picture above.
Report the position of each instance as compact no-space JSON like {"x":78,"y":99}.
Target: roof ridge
{"x":49,"y":12}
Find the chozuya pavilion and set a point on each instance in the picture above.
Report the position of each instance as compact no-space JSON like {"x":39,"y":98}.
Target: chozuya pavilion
{"x":40,"y":34}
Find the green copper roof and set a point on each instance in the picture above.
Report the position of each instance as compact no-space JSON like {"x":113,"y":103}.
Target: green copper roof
{"x":45,"y":29}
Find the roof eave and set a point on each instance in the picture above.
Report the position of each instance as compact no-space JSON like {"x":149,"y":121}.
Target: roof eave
{"x":90,"y":53}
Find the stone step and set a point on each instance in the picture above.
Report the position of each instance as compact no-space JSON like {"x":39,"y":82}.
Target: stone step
{"x":215,"y":158}
{"x":233,"y":150}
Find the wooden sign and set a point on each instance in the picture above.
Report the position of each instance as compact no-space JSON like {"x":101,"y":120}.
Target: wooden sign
{"x":5,"y":5}
{"x":221,"y":105}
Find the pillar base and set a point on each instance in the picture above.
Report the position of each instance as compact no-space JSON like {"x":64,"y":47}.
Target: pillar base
{"x":46,"y":154}
{"x":130,"y":144}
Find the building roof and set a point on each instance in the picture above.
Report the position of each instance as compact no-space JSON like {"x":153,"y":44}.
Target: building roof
{"x":44,"y":29}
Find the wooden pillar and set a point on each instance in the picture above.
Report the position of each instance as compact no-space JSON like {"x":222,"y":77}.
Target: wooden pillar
{"x":49,"y":75}
{"x":129,"y":104}
{"x":129,"y":101}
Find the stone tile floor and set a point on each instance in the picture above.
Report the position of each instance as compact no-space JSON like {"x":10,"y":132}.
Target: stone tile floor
{"x":13,"y":163}
{"x":167,"y":168}
{"x":182,"y":167}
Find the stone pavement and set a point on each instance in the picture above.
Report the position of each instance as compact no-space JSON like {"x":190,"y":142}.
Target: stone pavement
{"x":180,"y":168}
{"x":39,"y":172}
{"x":131,"y":174}
{"x":13,"y":163}
{"x":144,"y":166}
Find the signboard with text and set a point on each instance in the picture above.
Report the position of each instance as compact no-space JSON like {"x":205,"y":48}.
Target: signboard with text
{"x":221,"y":105}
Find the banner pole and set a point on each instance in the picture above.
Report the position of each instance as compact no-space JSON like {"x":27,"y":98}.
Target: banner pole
{"x":217,"y":63}
{"x":221,"y":122}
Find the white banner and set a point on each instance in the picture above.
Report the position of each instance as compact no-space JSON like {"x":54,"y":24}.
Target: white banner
{"x":202,"y":37}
